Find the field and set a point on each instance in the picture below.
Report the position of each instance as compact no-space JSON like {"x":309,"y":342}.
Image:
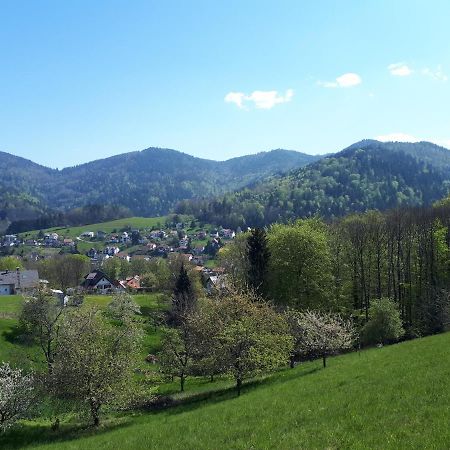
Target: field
{"x":16,"y":352}
{"x":108,"y":227}
{"x":396,"y":397}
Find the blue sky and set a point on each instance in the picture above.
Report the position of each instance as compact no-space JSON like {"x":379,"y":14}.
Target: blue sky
{"x":82,"y":80}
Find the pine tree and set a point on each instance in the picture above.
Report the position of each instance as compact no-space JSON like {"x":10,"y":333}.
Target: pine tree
{"x":183,"y":296}
{"x":258,"y":258}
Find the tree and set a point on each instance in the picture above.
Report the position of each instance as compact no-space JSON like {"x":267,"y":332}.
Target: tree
{"x":94,"y":366}
{"x":64,"y":271}
{"x":183,"y":295}
{"x":384,"y":323}
{"x":300,"y":264}
{"x":16,"y":389}
{"x":234,"y":259}
{"x":122,"y":307}
{"x":176,"y":356}
{"x":41,"y":316}
{"x":10,"y":263}
{"x":252,"y":337}
{"x":322,"y":334}
{"x":258,"y":259}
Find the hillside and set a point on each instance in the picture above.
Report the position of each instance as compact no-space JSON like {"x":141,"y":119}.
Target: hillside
{"x":149,"y":182}
{"x":366,"y":175}
{"x":392,"y":398}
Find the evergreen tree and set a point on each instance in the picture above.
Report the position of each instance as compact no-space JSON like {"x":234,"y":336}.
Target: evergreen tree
{"x":183,"y":296}
{"x":258,"y":258}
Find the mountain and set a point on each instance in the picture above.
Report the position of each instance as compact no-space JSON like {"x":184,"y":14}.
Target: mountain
{"x":366,"y":175}
{"x":148,"y":182}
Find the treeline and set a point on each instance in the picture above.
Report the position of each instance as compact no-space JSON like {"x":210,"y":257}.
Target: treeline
{"x":354,"y":180}
{"x":75,"y":217}
{"x":344,"y":266}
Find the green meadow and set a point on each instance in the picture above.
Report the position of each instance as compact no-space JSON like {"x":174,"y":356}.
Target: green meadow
{"x":395,"y":397}
{"x":108,"y":227}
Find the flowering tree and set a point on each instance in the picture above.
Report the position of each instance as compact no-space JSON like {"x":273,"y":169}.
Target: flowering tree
{"x":322,"y":334}
{"x":122,"y":307}
{"x":15,"y":395}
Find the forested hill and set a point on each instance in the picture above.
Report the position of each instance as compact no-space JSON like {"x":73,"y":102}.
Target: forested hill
{"x":366,"y":175}
{"x":149,"y":182}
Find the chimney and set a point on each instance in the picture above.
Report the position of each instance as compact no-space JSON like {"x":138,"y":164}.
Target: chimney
{"x":18,"y":278}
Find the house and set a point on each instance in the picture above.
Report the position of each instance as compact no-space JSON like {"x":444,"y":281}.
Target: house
{"x":18,"y":281}
{"x":51,"y":239}
{"x":201,"y":235}
{"x":131,"y":282}
{"x":125,"y":238}
{"x":227,"y":233}
{"x":88,"y":234}
{"x":101,"y":234}
{"x":68,"y":242}
{"x":9,"y":240}
{"x":215,"y":283}
{"x":98,"y":282}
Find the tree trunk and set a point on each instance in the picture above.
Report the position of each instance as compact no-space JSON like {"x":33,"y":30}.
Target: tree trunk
{"x":324,"y":359}
{"x":292,"y":362}
{"x":182,"y":380}
{"x":211,"y":378}
{"x":95,"y":409}
{"x":239,"y":386}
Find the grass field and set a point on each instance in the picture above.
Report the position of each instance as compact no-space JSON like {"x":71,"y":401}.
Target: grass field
{"x":18,"y":353}
{"x":108,"y":227}
{"x":396,"y":397}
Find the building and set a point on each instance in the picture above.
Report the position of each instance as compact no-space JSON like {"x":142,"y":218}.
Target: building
{"x":98,"y":282}
{"x":14,"y":282}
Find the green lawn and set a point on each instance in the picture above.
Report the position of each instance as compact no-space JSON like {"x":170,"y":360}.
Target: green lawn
{"x":108,"y":227}
{"x":396,"y":397}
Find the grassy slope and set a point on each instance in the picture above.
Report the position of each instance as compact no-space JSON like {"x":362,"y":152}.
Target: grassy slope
{"x":107,"y":227}
{"x":20,"y":354}
{"x":391,"y":398}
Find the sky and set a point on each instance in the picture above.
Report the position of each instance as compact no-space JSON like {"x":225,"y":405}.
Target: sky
{"x":83,"y":80}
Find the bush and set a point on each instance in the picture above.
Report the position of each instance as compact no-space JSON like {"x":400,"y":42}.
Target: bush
{"x":384,"y":325}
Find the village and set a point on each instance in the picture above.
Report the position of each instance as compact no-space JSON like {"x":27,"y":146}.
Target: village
{"x":132,"y":246}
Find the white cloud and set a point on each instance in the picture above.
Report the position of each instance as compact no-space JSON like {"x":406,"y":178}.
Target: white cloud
{"x":347,"y":80}
{"x":403,"y":137}
{"x":400,"y":69}
{"x":437,"y":74}
{"x":397,"y":137}
{"x":236,"y":98}
{"x":260,"y":99}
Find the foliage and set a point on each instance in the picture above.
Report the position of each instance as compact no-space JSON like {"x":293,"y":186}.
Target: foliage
{"x":64,"y":271}
{"x":184,"y":298}
{"x":258,"y":256}
{"x":384,"y":325}
{"x":367,"y":175}
{"x":251,"y":336}
{"x":299,"y":268}
{"x":234,"y":259}
{"x":148,"y":183}
{"x":41,"y":317}
{"x":10,"y":263}
{"x":176,"y":356}
{"x":94,"y":366}
{"x":16,"y":389}
{"x":321,"y":334}
{"x":122,"y":307}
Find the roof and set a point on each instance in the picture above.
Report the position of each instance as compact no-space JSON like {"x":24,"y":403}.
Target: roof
{"x":21,"y":279}
{"x":91,"y":279}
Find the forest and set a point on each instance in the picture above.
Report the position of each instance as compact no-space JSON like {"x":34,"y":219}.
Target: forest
{"x":360,"y":178}
{"x":343,"y":266}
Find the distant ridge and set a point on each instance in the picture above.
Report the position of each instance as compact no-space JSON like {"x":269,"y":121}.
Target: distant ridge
{"x":148,"y":182}
{"x":366,"y":175}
